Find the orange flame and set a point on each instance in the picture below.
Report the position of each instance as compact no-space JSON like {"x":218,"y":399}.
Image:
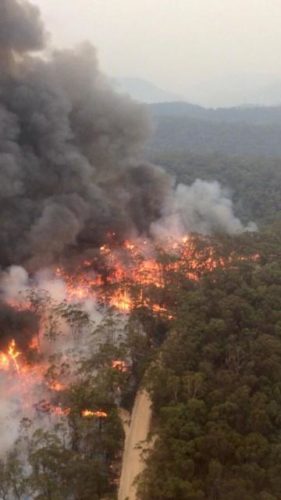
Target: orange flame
{"x":10,"y":358}
{"x":14,"y":354}
{"x":135,"y":265}
{"x":34,"y":344}
{"x":93,"y":414}
{"x":122,"y":301}
{"x":56,"y":386}
{"x":119,"y":365}
{"x":4,"y":362}
{"x":121,"y":277}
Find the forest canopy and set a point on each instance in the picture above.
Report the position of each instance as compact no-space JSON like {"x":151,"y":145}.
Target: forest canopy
{"x":215,"y":387}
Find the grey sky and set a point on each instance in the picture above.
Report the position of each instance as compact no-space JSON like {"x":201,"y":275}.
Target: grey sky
{"x":210,"y":51}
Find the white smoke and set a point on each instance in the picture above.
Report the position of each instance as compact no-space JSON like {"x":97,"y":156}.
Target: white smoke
{"x":14,"y":281}
{"x":204,"y":207}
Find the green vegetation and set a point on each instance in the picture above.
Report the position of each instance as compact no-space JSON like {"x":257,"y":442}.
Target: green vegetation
{"x":231,"y":132}
{"x":255,"y":184}
{"x":215,"y":386}
{"x":212,"y":365}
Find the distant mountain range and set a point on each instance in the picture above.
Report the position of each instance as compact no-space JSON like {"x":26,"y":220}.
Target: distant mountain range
{"x":144,"y":91}
{"x":260,"y":92}
{"x":249,"y":130}
{"x":256,"y":115}
{"x":241,"y":131}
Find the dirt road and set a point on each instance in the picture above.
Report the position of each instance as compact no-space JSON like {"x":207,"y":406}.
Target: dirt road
{"x":137,"y":432}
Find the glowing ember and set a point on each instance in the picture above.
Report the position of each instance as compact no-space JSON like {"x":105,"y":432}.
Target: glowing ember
{"x":4,"y":362}
{"x":34,"y":344}
{"x":94,"y":414}
{"x":56,"y":386}
{"x":119,"y":365}
{"x":122,"y":301}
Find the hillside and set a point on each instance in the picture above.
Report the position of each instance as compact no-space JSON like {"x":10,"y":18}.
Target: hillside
{"x":229,"y":131}
{"x":256,"y":115}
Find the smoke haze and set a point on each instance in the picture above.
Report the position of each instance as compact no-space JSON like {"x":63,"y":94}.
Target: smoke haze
{"x":70,"y":172}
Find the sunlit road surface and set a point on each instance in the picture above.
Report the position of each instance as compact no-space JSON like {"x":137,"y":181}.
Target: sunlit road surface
{"x":132,"y":463}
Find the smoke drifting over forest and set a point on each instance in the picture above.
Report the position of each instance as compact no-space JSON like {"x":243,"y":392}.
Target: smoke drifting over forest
{"x":71,"y":172}
{"x":69,"y":151}
{"x":204,"y":207}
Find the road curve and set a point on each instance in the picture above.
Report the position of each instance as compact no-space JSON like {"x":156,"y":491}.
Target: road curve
{"x":132,"y":464}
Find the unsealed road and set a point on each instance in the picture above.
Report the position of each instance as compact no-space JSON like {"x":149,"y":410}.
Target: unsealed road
{"x":132,"y":463}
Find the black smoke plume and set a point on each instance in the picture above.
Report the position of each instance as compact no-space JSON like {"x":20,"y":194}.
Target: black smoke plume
{"x":69,"y":156}
{"x":68,"y":149}
{"x":21,"y":29}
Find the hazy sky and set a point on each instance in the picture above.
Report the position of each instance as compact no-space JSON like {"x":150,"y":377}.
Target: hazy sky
{"x":210,"y":51}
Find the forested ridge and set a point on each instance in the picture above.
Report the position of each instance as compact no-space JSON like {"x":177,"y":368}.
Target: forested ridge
{"x":240,"y":131}
{"x":252,"y":115}
{"x":201,"y":136}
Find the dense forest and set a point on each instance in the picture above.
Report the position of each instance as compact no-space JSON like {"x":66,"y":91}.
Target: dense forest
{"x":212,"y":367}
{"x":253,"y":183}
{"x":215,"y":386}
{"x":231,"y":132}
{"x":215,"y":379}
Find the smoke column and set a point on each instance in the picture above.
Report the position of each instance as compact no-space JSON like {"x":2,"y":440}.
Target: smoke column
{"x":68,"y":149}
{"x":69,"y":153}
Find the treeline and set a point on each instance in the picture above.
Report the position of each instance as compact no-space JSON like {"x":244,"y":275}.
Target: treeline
{"x":252,"y":115}
{"x":254,"y":183}
{"x":215,"y":385}
{"x":205,"y":136}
